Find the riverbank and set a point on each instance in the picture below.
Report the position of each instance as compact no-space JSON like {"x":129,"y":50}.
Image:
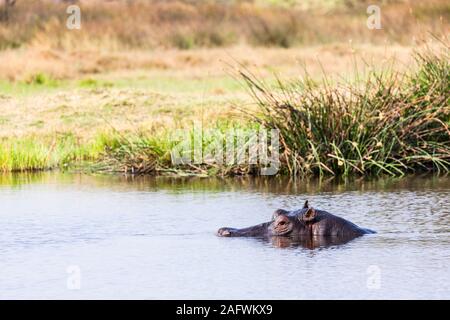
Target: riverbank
{"x":124,"y":121}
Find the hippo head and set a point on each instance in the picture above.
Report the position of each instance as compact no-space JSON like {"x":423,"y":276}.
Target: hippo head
{"x":285,"y":222}
{"x":306,"y":227}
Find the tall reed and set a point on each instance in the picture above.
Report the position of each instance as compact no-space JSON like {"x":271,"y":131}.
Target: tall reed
{"x":391,"y":123}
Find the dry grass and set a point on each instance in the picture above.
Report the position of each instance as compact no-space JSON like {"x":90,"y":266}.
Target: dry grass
{"x":58,"y":64}
{"x":189,"y":24}
{"x":85,"y":112}
{"x":191,"y":86}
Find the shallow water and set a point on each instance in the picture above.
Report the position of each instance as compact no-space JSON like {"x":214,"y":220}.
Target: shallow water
{"x":77,"y":236}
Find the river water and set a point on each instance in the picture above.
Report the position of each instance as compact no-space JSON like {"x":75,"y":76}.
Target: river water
{"x":72,"y":236}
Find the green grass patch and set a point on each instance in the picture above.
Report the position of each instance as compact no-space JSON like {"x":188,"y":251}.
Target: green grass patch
{"x":38,"y":153}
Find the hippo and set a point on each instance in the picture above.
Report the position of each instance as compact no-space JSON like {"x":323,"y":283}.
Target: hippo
{"x":308,"y":227}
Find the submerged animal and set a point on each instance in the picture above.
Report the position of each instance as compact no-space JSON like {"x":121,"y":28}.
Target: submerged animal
{"x":308,"y":227}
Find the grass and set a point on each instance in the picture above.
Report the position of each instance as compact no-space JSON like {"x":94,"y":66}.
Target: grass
{"x":192,"y":24}
{"x":120,"y":119}
{"x":31,"y":154}
{"x":141,"y":153}
{"x":390,"y":123}
{"x":108,"y":97}
{"x":192,"y":86}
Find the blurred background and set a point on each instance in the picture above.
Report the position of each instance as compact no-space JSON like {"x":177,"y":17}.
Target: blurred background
{"x":125,"y":25}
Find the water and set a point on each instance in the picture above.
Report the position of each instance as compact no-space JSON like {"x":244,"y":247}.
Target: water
{"x":77,"y":236}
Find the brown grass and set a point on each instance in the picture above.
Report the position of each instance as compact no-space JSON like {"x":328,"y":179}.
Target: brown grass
{"x":113,"y":25}
{"x":168,"y":88}
{"x":74,"y":64}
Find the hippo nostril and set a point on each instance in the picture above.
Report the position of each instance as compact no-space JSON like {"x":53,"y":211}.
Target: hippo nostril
{"x":224,"y":232}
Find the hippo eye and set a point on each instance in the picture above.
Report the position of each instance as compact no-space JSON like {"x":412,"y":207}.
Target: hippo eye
{"x":282,"y":223}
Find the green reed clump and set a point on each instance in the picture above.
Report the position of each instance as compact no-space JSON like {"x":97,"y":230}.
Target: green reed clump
{"x":132,"y":153}
{"x":392,"y":123}
{"x":200,"y":152}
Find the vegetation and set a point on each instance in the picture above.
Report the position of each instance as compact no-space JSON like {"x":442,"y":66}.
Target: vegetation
{"x":392,"y":123}
{"x":386,"y":123}
{"x":188,"y":24}
{"x":108,"y":97}
{"x":31,"y":154}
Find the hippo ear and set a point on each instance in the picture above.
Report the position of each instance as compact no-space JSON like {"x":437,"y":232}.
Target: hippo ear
{"x":306,"y":205}
{"x":309,"y":215}
{"x":279,"y":212}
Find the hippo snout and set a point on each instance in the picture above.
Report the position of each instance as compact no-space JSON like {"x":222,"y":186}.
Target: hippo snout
{"x":225,"y":232}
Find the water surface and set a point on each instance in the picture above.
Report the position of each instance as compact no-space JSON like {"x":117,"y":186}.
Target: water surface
{"x":73,"y":236}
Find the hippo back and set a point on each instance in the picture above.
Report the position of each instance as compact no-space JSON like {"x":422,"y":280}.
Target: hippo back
{"x":327,"y":224}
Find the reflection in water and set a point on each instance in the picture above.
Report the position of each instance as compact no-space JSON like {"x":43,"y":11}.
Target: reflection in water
{"x":154,"y":238}
{"x":277,"y":185}
{"x":310,"y":243}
